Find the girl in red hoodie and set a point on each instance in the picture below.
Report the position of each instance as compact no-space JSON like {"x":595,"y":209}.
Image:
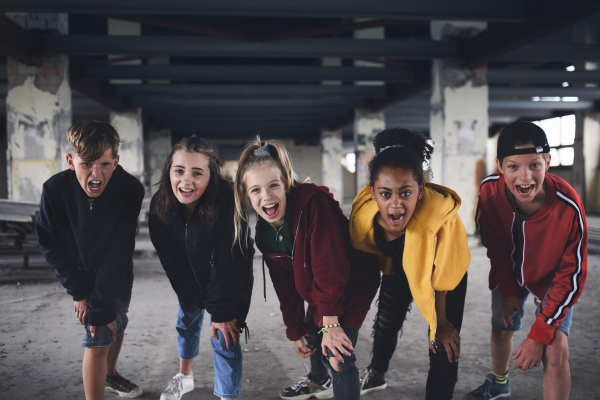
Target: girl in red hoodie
{"x":304,"y":238}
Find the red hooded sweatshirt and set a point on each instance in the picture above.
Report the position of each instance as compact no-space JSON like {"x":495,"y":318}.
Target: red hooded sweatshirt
{"x":554,"y":256}
{"x":324,"y":270}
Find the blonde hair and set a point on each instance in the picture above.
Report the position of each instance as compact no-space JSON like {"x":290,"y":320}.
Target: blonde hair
{"x":279,"y":157}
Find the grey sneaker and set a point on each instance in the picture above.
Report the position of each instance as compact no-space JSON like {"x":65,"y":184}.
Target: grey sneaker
{"x":115,"y":383}
{"x":490,"y":390}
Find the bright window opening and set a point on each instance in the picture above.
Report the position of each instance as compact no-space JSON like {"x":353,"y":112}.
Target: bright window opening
{"x":561,"y":137}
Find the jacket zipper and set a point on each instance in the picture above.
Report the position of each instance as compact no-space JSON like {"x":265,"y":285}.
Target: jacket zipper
{"x":187,"y":252}
{"x":90,"y":234}
{"x":432,"y":265}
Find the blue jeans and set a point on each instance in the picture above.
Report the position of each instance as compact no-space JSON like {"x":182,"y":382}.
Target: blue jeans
{"x":227,"y":362}
{"x":346,"y":383}
{"x":564,"y":325}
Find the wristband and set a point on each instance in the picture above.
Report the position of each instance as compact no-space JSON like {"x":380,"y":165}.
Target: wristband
{"x":329,"y":326}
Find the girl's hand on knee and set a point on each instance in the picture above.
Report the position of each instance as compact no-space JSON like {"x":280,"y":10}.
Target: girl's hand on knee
{"x":337,"y":342}
{"x":302,"y":348}
{"x":228,"y":329}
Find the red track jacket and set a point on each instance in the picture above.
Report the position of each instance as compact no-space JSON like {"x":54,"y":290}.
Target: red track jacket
{"x":324,"y":270}
{"x":554,"y":253}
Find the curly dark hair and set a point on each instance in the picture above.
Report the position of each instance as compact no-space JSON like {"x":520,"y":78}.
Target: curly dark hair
{"x":400,"y":148}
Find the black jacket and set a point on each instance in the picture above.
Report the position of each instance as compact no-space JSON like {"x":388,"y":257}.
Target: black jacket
{"x":90,"y":245}
{"x":203,"y":265}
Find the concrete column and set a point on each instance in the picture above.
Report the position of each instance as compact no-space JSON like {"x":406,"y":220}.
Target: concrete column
{"x":366,"y":126}
{"x":130,"y":128}
{"x":157,"y":149}
{"x":579,"y":156}
{"x":591,"y":154}
{"x":38,"y":111}
{"x":459,"y":122}
{"x":331,"y":167}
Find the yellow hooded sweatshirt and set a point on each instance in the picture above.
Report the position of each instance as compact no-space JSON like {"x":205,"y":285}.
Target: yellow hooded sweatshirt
{"x":436,"y":253}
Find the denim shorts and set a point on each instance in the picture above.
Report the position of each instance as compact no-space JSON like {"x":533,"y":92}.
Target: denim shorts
{"x":121,"y":297}
{"x":564,"y":325}
{"x":227,"y":362}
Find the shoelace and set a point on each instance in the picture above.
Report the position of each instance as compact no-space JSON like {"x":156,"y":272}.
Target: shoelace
{"x":485,"y":388}
{"x":303,"y":382}
{"x":175,"y":386}
{"x":365,"y":378}
{"x":121,"y":381}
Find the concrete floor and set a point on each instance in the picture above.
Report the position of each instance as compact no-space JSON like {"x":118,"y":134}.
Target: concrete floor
{"x":40,"y":352}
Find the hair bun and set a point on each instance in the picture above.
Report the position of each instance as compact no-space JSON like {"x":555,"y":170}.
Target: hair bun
{"x":400,"y":137}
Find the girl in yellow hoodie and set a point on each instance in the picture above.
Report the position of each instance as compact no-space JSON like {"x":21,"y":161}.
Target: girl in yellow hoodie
{"x":422,"y":248}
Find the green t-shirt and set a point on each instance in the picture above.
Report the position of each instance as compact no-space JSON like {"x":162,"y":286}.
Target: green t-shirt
{"x":277,"y":239}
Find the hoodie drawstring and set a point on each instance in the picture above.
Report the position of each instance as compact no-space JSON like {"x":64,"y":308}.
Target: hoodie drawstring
{"x":264,"y":279}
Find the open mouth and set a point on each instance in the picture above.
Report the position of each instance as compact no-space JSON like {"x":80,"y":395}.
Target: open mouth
{"x":271,"y":210}
{"x":94,"y":186}
{"x":396,"y":218}
{"x":524,"y":190}
{"x":186,"y":192}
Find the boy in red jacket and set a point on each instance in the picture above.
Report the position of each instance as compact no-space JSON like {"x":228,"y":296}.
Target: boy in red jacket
{"x":533,"y":226}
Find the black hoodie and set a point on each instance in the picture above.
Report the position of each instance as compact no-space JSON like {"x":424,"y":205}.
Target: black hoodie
{"x":204,"y":266}
{"x":90,"y":245}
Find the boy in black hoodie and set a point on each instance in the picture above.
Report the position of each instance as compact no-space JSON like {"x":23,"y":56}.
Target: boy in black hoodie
{"x":86,"y":230}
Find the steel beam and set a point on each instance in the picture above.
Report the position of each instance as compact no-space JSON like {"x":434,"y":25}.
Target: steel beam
{"x":529,"y":92}
{"x":541,"y":76}
{"x":253,"y":103}
{"x":248,"y":90}
{"x":486,"y":10}
{"x":241,"y":73}
{"x":558,"y":52}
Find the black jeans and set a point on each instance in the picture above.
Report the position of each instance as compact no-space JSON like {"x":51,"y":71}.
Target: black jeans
{"x":394,"y":302}
{"x":346,"y":383}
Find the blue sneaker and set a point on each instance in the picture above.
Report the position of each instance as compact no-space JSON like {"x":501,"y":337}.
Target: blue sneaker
{"x":490,"y":390}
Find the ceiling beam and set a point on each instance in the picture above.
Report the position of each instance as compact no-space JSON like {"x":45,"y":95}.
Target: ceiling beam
{"x":16,"y":42}
{"x":557,"y":52}
{"x":249,"y":90}
{"x":495,"y":75}
{"x":547,"y":17}
{"x":241,"y":73}
{"x":95,"y":91}
{"x":96,"y":45}
{"x":528,"y":92}
{"x":253,"y":103}
{"x":202,"y":29}
{"x":486,"y":10}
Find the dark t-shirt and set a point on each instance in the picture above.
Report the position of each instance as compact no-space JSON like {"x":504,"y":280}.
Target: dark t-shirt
{"x":519,"y":239}
{"x":393,"y":249}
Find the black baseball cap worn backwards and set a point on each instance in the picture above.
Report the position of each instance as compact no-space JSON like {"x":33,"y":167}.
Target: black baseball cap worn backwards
{"x":522,"y":130}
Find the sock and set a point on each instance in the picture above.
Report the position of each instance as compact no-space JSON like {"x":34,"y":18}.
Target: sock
{"x":188,"y":376}
{"x":501,"y":379}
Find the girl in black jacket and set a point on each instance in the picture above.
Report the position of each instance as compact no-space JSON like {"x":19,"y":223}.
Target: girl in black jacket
{"x":191,"y":227}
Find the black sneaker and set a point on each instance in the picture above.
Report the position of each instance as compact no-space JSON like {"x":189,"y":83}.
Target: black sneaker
{"x":306,"y":388}
{"x":372,"y":381}
{"x":115,"y":383}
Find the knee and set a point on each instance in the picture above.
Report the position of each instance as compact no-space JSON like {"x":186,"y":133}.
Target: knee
{"x":556,"y":354}
{"x":502,"y":336}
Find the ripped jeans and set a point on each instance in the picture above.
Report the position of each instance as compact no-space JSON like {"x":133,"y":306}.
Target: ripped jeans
{"x":346,"y":383}
{"x":394,"y":303}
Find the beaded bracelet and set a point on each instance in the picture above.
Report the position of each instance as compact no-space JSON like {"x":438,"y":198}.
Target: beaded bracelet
{"x":329,"y":326}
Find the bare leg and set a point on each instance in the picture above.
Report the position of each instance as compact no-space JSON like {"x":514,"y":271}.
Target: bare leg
{"x":185,"y":366}
{"x":94,"y":372}
{"x":557,"y":376}
{"x":501,"y":345}
{"x":113,"y":354}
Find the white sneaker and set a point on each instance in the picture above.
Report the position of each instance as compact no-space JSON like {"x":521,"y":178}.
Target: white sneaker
{"x":179,"y":385}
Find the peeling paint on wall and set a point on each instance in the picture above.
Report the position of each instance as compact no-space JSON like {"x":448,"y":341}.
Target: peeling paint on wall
{"x":332,"y":173}
{"x":28,"y":176}
{"x":129,"y":126}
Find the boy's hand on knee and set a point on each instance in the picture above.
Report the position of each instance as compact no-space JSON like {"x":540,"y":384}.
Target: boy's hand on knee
{"x":81,"y":308}
{"x":302,"y":348}
{"x":529,"y":354}
{"x":227,"y":329}
{"x":508,"y":305}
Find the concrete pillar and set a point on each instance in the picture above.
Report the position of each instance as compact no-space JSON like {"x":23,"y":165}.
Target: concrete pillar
{"x":459,"y":121}
{"x":38,"y":111}
{"x":157,"y":149}
{"x":591,"y":154}
{"x":130,"y":128}
{"x":579,"y":156}
{"x":331,"y":167}
{"x":366,"y":126}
